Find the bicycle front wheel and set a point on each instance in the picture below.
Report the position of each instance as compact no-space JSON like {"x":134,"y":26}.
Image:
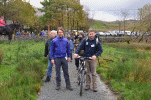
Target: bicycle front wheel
{"x":82,"y":80}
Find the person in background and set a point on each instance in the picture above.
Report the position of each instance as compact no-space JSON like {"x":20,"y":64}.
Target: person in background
{"x":59,"y":48}
{"x":76,"y":35}
{"x":28,"y":33}
{"x":85,"y":34}
{"x":51,"y":36}
{"x":18,"y":34}
{"x":2,"y":24}
{"x":71,"y":45}
{"x":73,"y":36}
{"x":32,"y":34}
{"x":91,"y":49}
{"x":77,"y":42}
{"x":42,"y":33}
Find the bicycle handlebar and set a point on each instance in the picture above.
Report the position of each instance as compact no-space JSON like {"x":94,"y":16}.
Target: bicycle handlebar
{"x":81,"y":57}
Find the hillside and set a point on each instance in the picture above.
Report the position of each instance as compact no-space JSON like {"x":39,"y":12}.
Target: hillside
{"x":105,"y":26}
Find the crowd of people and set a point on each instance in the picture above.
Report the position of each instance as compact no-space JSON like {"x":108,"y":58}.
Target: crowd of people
{"x":25,"y":33}
{"x":58,"y":47}
{"x":28,"y":33}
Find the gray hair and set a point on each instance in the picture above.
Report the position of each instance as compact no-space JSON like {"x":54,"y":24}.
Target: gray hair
{"x":54,"y":32}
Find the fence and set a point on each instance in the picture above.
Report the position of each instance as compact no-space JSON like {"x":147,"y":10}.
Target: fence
{"x":44,"y":38}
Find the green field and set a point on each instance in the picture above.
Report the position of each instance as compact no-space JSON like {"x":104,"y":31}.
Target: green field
{"x":126,"y":68}
{"x":103,"y":25}
{"x":21,"y":70}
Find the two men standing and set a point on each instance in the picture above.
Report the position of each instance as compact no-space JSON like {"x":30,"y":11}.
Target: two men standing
{"x":59,"y":47}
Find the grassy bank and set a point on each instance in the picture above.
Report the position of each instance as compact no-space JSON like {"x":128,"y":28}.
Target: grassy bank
{"x":126,"y":68}
{"x":21,"y":70}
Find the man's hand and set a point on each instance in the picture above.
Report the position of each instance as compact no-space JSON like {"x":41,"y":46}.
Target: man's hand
{"x":69,"y":59}
{"x":76,"y":55}
{"x":53,"y":61}
{"x":45,"y":57}
{"x":93,"y":57}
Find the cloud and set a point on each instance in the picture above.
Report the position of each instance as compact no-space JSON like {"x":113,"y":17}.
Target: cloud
{"x":101,"y":15}
{"x":35,"y":3}
{"x":111,"y":9}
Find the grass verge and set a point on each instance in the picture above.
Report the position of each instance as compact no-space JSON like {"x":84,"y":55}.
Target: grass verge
{"x":22,"y":70}
{"x":126,"y":69}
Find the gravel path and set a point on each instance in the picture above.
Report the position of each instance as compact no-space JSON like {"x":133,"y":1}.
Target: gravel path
{"x":49,"y":93}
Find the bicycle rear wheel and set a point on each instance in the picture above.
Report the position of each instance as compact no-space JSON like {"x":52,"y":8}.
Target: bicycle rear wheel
{"x":81,"y":81}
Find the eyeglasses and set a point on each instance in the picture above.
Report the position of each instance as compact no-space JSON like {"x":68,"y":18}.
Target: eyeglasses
{"x":60,"y":32}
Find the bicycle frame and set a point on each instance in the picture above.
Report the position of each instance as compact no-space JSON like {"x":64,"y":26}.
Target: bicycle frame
{"x":82,"y":72}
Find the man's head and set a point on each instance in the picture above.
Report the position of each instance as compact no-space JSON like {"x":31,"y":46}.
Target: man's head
{"x":73,"y":32}
{"x":68,"y":36}
{"x":60,"y":32}
{"x":91,"y":34}
{"x":81,"y":36}
{"x":53,"y":34}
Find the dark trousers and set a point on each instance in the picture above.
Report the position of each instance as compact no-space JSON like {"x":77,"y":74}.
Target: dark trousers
{"x":71,"y":54}
{"x":58,"y":63}
{"x":77,"y":62}
{"x":2,"y":28}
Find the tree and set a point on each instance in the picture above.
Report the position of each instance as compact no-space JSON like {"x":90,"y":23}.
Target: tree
{"x":124,"y":14}
{"x":145,"y":20}
{"x":65,"y":13}
{"x":19,"y":11}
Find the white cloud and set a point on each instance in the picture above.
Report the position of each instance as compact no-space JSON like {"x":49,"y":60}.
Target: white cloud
{"x":35,"y":3}
{"x":101,"y":15}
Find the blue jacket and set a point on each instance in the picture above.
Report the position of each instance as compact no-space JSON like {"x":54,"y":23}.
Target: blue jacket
{"x":71,"y":45}
{"x":18,"y":34}
{"x":90,"y":48}
{"x":59,"y":47}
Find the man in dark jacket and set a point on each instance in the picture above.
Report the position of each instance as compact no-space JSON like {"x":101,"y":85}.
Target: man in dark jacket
{"x":91,"y":49}
{"x":51,"y":36}
{"x":77,"y":42}
{"x":59,"y":48}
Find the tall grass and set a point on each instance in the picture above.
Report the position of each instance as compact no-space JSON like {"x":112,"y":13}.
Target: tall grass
{"x":131,"y":66}
{"x":29,"y":68}
{"x":1,"y":55}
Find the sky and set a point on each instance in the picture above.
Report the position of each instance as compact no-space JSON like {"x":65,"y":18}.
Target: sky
{"x":107,"y":10}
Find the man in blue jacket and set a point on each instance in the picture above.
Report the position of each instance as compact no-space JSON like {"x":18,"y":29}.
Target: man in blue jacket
{"x":58,"y":49}
{"x":71,"y":45}
{"x":92,"y":48}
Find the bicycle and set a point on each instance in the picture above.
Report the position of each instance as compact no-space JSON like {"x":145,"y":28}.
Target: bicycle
{"x":82,"y":72}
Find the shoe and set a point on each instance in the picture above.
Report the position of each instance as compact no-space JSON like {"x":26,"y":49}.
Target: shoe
{"x":95,"y":90}
{"x":57,"y":87}
{"x":77,"y":68}
{"x":87,"y":87}
{"x":69,"y":88}
{"x":47,"y":79}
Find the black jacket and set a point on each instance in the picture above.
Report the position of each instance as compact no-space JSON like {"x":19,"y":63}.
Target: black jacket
{"x":90,"y":48}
